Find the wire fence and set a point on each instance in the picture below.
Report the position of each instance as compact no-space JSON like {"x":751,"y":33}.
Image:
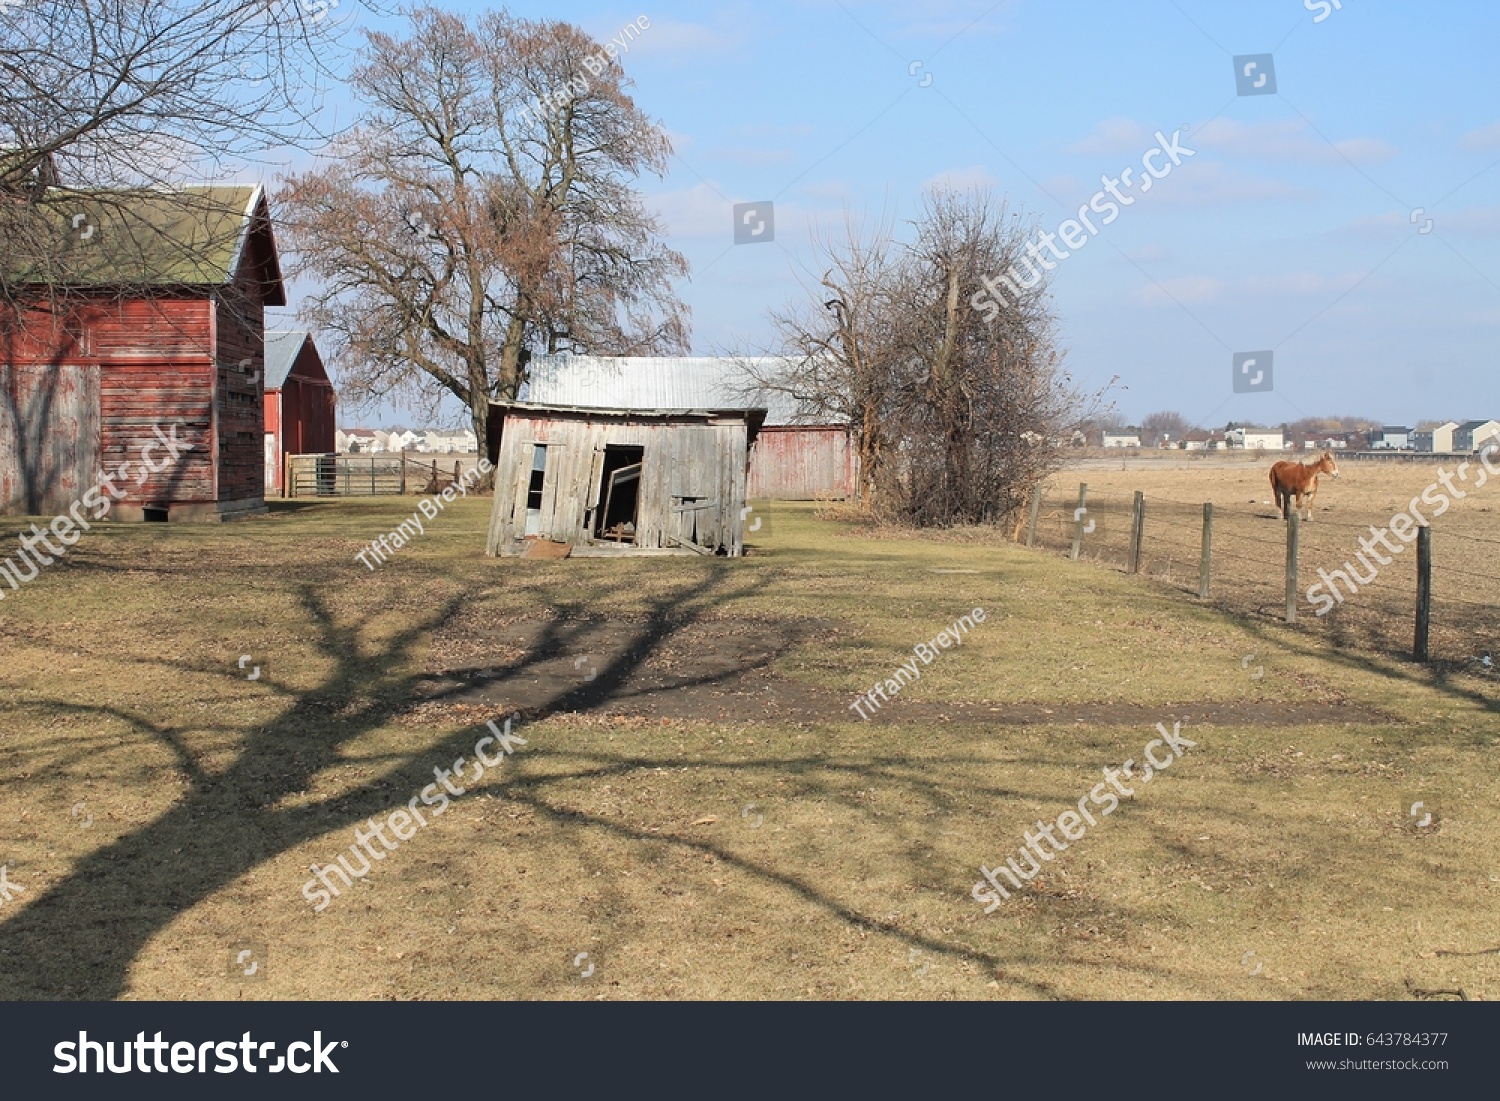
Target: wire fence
{"x":1344,"y":591}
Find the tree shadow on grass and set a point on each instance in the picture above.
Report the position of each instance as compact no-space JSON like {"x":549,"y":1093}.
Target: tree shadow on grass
{"x":80,"y":937}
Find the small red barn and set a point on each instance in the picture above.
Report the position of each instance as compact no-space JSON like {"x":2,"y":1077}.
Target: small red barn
{"x":134,"y":318}
{"x":300,"y":404}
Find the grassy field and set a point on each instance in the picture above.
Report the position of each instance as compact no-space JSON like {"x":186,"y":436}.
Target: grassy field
{"x":695,"y":807}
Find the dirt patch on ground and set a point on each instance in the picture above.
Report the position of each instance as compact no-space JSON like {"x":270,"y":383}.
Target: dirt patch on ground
{"x":725,"y":672}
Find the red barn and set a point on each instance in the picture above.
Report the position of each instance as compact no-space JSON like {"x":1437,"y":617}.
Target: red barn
{"x":134,"y":335}
{"x":300,"y":404}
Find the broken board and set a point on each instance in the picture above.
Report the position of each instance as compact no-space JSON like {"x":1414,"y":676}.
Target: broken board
{"x":546,"y":548}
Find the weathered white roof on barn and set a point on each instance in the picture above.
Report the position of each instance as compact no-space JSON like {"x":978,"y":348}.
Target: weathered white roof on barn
{"x":658,"y":382}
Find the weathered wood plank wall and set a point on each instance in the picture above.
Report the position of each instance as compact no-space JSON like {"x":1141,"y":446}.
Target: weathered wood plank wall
{"x":683,"y":461}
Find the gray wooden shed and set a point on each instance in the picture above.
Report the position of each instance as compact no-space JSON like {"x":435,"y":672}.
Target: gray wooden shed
{"x":620,"y":481}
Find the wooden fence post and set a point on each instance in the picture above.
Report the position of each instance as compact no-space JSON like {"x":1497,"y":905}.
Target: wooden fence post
{"x":1292,"y":536}
{"x":1208,"y":538}
{"x":1078,"y":515}
{"x":372,"y":474}
{"x":403,"y":472}
{"x":1137,"y":530}
{"x":1036,"y":506}
{"x":1424,"y":591}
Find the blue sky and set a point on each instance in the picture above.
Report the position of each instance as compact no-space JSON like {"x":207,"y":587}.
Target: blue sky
{"x":1291,"y":229}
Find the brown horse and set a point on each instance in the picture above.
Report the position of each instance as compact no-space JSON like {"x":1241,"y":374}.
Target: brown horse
{"x":1299,"y":480}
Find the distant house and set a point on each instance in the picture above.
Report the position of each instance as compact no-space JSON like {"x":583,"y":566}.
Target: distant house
{"x":1122,"y":439}
{"x":1255,"y":439}
{"x":1202,"y":441}
{"x":404,"y":439}
{"x":798,"y":455}
{"x":299,"y":404}
{"x":451,"y":441}
{"x":1438,"y":439}
{"x":361,"y":440}
{"x":1473,"y":435}
{"x":1391,"y":437}
{"x":150,"y":320}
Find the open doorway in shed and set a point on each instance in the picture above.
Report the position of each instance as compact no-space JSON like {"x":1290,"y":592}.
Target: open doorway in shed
{"x":535,"y":489}
{"x":619,"y":494}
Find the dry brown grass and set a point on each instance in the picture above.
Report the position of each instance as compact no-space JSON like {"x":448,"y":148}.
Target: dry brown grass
{"x":1249,"y":546}
{"x":758,"y":853}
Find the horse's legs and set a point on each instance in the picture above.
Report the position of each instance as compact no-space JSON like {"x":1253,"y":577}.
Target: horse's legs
{"x":1312,"y":495}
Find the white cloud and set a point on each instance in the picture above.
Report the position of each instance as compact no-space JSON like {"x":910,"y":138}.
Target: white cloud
{"x":750,"y":156}
{"x":835,"y":190}
{"x":1069,"y":190}
{"x":1114,"y":135}
{"x":1474,"y":221}
{"x":672,"y":37}
{"x":699,"y":211}
{"x":1211,"y":184}
{"x":1288,"y":141}
{"x":771,"y":130}
{"x":1191,"y":289}
{"x":1186,"y":289}
{"x":1486,"y":137}
{"x":1295,"y":283}
{"x":961,"y":179}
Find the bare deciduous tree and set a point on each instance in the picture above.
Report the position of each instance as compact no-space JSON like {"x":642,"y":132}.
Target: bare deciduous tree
{"x":958,"y":403}
{"x":482,"y":209}
{"x":837,"y":342}
{"x":1165,"y":425}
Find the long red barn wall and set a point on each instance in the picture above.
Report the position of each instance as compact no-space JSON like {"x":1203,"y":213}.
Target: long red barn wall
{"x":190,"y":361}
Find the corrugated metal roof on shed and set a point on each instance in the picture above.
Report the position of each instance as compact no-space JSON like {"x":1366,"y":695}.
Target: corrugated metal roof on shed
{"x":281,"y":356}
{"x":658,"y":382}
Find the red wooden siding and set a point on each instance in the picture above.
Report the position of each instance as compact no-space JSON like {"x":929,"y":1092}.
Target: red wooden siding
{"x":302,"y":415}
{"x":801,"y":463}
{"x":139,"y":392}
{"x":123,"y":365}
